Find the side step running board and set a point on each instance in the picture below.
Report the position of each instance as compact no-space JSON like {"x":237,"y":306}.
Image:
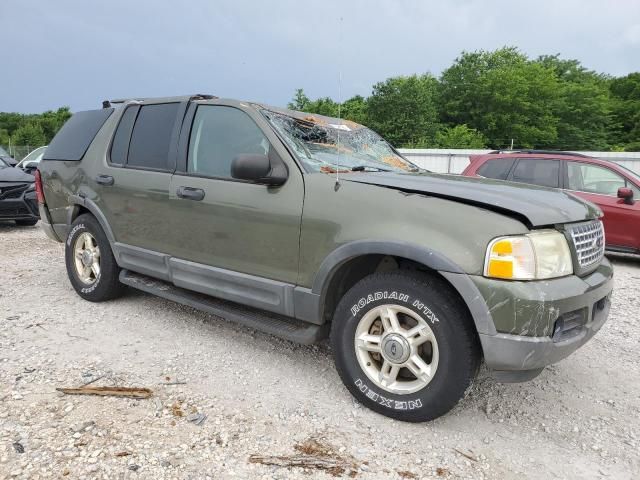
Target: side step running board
{"x":288,"y":328}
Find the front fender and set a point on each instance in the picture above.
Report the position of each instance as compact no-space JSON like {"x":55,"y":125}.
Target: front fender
{"x":431,"y":259}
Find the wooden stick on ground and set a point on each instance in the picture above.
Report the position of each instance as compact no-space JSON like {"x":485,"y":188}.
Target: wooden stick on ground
{"x":109,"y":391}
{"x":334,"y":466}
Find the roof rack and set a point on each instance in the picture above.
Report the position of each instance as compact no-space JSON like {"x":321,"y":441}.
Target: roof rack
{"x":197,"y":96}
{"x":542,"y":152}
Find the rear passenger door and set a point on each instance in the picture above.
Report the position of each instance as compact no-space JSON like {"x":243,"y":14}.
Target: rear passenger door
{"x":237,"y":227}
{"x":133,"y":188}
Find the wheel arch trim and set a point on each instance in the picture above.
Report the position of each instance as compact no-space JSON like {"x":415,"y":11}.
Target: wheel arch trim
{"x":78,"y":201}
{"x":452,"y":273}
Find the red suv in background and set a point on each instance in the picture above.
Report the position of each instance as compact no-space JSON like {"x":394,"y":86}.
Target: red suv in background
{"x":610,"y":186}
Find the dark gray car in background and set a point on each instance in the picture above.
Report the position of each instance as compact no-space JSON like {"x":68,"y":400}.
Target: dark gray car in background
{"x":17,"y":196}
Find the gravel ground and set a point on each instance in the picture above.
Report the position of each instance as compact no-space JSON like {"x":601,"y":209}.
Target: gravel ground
{"x":265,"y":396}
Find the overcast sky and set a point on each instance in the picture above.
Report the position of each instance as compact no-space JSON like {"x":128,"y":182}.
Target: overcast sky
{"x":79,"y":52}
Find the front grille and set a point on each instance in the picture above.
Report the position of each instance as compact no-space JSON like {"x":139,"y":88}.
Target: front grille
{"x":14,"y":191}
{"x":588,"y":240}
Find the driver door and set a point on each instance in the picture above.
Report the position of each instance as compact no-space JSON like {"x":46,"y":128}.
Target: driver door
{"x":236,"y":227}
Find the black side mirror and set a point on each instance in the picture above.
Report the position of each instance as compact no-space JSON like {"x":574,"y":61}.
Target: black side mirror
{"x":267,"y":170}
{"x":626,"y":194}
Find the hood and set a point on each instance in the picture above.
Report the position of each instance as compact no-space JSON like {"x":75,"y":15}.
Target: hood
{"x":536,"y":206}
{"x":12,"y":174}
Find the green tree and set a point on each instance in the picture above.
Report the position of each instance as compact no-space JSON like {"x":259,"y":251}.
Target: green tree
{"x":403,"y":110}
{"x":583,"y":108}
{"x":30,"y":133}
{"x":300,"y":101}
{"x":323,"y":106}
{"x":460,"y":136}
{"x":4,"y":137}
{"x":355,"y":109}
{"x":503,"y":95}
{"x":625,"y":93}
{"x":52,"y":121}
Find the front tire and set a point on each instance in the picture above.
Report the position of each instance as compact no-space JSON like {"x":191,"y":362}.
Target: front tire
{"x":91,"y":267}
{"x":404,"y":345}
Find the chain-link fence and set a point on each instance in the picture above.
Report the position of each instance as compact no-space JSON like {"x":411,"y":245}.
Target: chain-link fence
{"x":18,"y":152}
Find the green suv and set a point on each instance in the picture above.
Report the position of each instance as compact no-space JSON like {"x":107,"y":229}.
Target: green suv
{"x":309,"y":227}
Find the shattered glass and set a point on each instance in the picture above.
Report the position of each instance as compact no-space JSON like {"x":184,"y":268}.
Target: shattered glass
{"x":327,"y":144}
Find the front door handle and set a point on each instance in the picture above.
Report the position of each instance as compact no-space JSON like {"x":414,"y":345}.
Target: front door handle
{"x":190,"y":193}
{"x":106,"y":180}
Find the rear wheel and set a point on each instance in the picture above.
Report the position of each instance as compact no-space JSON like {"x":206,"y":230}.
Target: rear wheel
{"x":404,"y":346}
{"x":27,"y":223}
{"x":91,"y":267}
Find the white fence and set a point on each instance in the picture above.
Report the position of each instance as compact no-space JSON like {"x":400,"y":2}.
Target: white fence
{"x":455,"y":161}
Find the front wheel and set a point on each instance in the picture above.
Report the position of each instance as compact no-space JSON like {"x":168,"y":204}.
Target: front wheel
{"x":404,"y":346}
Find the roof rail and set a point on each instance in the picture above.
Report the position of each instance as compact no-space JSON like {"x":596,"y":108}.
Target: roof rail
{"x":542,"y":152}
{"x":197,"y":96}
{"x":203,"y":96}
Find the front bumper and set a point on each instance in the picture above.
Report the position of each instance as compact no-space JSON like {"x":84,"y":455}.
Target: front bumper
{"x":22,"y":207}
{"x":540,"y":323}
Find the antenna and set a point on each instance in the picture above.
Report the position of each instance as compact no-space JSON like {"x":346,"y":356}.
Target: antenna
{"x":337,"y":185}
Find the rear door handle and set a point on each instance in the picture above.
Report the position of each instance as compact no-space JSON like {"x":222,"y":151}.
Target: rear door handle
{"x":106,"y":180}
{"x":190,"y":193}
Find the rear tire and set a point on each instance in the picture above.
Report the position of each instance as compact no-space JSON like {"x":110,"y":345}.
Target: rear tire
{"x":27,"y":223}
{"x":91,"y":267}
{"x":404,"y":345}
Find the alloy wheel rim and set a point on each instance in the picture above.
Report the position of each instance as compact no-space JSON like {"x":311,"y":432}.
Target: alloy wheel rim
{"x":397,"y":349}
{"x":86,"y":258}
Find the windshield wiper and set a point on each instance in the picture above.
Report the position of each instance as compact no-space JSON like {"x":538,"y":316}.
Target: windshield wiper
{"x":362,"y":168}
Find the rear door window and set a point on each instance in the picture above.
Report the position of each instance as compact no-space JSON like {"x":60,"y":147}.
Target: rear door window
{"x":537,"y":171}
{"x":497,"y":168}
{"x":151,"y":136}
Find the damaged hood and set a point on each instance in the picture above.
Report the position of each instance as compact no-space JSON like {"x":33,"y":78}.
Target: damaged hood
{"x":13,"y":174}
{"x":537,"y":206}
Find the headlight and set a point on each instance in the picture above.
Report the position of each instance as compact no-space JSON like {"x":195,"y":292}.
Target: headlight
{"x":538,"y":255}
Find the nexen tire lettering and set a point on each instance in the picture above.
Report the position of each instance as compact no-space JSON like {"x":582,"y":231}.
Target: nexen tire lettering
{"x":387,"y":402}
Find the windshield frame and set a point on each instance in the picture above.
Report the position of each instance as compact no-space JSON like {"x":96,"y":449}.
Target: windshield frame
{"x":307,"y":164}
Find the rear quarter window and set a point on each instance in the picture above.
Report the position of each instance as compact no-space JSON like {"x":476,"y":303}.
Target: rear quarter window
{"x":497,"y":168}
{"x":74,"y":138}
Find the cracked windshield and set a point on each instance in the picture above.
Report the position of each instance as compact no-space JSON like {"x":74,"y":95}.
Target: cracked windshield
{"x":325,"y":144}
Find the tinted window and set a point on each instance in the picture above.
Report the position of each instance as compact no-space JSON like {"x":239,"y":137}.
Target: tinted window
{"x":594,"y":179}
{"x":219,"y":134}
{"x":120,"y":145}
{"x":149,"y":146}
{"x":537,"y":171}
{"x":497,"y":168}
{"x":74,"y":138}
